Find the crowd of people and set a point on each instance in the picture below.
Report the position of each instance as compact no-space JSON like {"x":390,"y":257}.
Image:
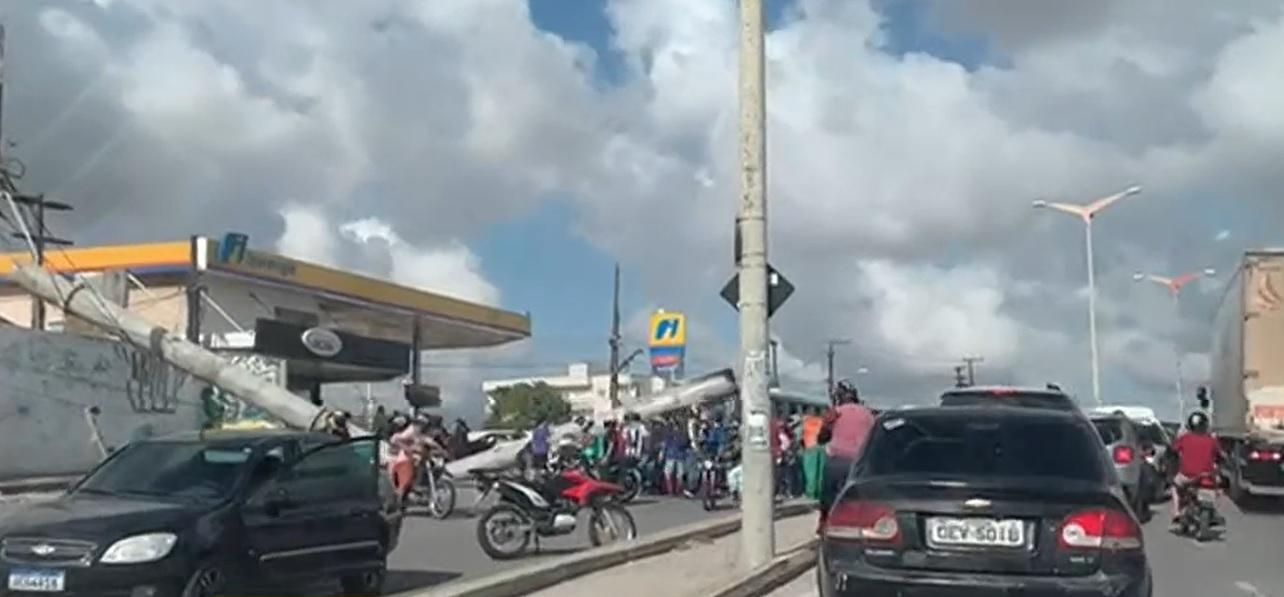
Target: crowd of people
{"x":812,"y":454}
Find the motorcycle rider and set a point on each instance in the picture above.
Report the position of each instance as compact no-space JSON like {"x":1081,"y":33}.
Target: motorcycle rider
{"x":414,"y":446}
{"x":1198,"y":452}
{"x":847,"y":426}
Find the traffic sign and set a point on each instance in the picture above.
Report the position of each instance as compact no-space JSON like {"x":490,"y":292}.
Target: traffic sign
{"x":779,"y":290}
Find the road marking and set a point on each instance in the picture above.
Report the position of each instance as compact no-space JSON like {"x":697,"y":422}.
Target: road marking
{"x":1249,"y":588}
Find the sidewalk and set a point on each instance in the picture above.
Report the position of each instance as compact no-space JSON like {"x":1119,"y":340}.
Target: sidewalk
{"x":696,"y":569}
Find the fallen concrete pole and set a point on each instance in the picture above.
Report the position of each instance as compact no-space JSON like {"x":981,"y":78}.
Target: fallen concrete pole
{"x":713,"y":386}
{"x":81,"y":301}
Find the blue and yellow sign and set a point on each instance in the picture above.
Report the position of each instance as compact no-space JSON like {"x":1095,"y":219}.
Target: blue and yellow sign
{"x":668,"y":328}
{"x":668,"y":341}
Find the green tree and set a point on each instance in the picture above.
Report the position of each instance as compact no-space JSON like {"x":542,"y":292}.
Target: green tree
{"x":522,"y":405}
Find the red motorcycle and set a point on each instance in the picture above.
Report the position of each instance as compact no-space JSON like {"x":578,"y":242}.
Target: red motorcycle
{"x":549,"y":507}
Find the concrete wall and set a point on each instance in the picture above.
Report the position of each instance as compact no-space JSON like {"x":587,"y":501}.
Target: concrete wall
{"x":46,"y":382}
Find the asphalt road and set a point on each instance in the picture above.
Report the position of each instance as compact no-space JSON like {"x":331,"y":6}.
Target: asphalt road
{"x":432,"y":551}
{"x":436,"y":551}
{"x":1246,"y":562}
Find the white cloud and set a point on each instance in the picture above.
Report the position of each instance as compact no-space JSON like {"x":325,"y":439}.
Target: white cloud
{"x":307,"y":234}
{"x":450,"y":269}
{"x":899,"y":184}
{"x":931,"y":316}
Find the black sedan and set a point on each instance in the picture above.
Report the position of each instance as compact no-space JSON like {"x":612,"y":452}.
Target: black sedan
{"x":209,"y":514}
{"x":982,"y":501}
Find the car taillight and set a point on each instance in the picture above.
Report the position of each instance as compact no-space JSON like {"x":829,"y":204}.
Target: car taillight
{"x":1265,"y":455}
{"x":870,"y":522}
{"x":1123,"y":454}
{"x":1109,"y":530}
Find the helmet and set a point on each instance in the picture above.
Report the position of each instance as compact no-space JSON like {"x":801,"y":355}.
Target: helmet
{"x":1197,"y":422}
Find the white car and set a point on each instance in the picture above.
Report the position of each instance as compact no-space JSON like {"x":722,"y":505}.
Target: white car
{"x":1140,"y":414}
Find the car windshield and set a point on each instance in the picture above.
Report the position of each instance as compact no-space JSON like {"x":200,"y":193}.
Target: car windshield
{"x":1110,"y":430}
{"x":190,"y":470}
{"x":993,"y":447}
{"x":1008,"y":398}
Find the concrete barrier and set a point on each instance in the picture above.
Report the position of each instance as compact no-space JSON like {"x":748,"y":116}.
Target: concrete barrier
{"x":546,"y":573}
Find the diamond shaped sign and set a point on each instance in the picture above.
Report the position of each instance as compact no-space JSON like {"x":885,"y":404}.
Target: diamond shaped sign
{"x":779,"y":289}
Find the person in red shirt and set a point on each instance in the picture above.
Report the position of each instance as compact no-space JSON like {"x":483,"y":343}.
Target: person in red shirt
{"x":847,"y":426}
{"x":1197,"y":451}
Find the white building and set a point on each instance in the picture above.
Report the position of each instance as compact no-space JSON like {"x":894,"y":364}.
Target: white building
{"x":587,"y":392}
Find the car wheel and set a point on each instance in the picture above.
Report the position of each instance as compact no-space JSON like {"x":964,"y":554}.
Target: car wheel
{"x":207,"y":581}
{"x":368,"y":583}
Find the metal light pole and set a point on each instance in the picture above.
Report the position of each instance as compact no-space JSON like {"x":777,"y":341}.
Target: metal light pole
{"x":757,"y":532}
{"x":1174,"y":286}
{"x":1087,"y":213}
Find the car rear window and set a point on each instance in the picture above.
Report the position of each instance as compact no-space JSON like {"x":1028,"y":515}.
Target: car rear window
{"x":969,"y":446}
{"x":1110,"y":430}
{"x":1004,"y":398}
{"x":1152,"y":434}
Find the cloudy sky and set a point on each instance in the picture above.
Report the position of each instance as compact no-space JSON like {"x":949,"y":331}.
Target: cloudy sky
{"x":509,"y":151}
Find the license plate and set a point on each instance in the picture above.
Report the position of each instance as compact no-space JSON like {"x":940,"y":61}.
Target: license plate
{"x":39,"y":581}
{"x":975,"y":532}
{"x":1207,"y":495}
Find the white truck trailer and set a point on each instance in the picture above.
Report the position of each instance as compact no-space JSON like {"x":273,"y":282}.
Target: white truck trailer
{"x":1247,"y":377}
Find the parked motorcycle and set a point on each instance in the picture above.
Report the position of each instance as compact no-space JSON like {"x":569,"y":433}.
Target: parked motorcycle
{"x":549,"y":507}
{"x":434,"y":489}
{"x":1197,"y":507}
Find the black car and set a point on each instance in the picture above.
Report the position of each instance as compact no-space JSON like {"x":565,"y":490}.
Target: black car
{"x":968,"y":501}
{"x":1050,"y":398}
{"x":209,"y":514}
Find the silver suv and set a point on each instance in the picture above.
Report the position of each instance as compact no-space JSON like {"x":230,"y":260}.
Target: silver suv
{"x":1123,"y":447}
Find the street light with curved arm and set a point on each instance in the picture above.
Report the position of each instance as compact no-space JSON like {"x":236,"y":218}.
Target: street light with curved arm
{"x":1174,"y":285}
{"x":1087,"y":213}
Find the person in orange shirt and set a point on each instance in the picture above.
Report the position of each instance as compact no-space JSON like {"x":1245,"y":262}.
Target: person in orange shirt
{"x":813,"y":456}
{"x":811,"y":427}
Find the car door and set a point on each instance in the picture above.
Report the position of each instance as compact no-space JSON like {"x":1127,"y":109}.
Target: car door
{"x":305,"y":521}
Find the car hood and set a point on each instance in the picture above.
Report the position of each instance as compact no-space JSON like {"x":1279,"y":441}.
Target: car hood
{"x":96,"y":517}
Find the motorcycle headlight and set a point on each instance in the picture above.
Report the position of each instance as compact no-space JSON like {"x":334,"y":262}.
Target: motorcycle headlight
{"x":140,"y":549}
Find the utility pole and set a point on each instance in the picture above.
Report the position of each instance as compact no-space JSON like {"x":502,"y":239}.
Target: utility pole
{"x":971,"y":362}
{"x":829,"y":358}
{"x":775,"y":364}
{"x":36,"y":206}
{"x":2,"y":148}
{"x":757,"y":530}
{"x":614,"y":341}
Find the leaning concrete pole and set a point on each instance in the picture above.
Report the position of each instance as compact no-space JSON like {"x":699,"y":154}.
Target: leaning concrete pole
{"x":757,"y":534}
{"x":81,"y":301}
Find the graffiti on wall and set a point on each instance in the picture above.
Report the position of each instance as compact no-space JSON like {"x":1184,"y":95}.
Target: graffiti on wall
{"x":223,"y":407}
{"x":153,"y":386}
